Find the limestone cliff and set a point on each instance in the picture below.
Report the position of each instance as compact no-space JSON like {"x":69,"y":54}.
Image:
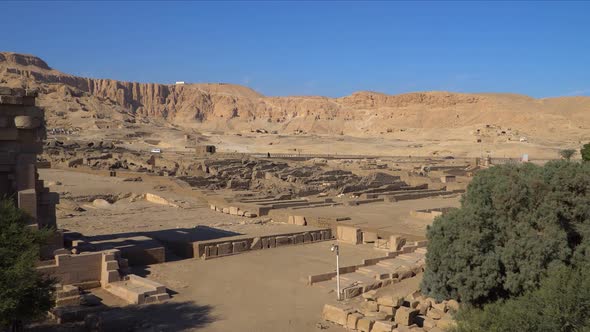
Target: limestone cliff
{"x":229,"y":107}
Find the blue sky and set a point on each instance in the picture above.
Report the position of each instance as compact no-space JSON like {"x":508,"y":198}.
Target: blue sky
{"x":540,"y":49}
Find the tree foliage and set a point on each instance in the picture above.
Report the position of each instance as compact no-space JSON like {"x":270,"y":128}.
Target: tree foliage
{"x":24,"y":293}
{"x":567,"y":154}
{"x":561,"y":303}
{"x":515,"y":221}
{"x":585,"y":152}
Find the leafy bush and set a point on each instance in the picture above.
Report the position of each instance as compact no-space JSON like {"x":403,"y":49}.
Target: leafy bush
{"x":24,"y":293}
{"x":562,"y":303}
{"x":567,"y":154}
{"x":585,"y":152}
{"x":514,"y":222}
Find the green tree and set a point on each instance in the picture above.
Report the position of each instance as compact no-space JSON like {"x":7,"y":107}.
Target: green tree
{"x":24,"y":293}
{"x":561,"y":303}
{"x":567,"y":154}
{"x":514,"y":222}
{"x":585,"y":152}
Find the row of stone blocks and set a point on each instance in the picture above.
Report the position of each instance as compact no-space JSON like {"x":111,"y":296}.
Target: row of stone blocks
{"x":266,"y":242}
{"x":234,"y":211}
{"x":388,"y":313}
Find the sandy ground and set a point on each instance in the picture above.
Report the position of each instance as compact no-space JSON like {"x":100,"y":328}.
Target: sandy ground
{"x":256,"y":291}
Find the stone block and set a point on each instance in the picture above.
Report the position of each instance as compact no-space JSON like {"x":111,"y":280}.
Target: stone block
{"x":369,"y":237}
{"x":389,"y":300}
{"x":306,"y":237}
{"x":162,"y":297}
{"x":68,"y":301}
{"x":353,"y":320}
{"x":425,"y":322}
{"x":297,"y":238}
{"x":249,"y":215}
{"x":233,"y":210}
{"x":368,"y":306}
{"x":315,"y":236}
{"x":383,"y":326}
{"x":225,"y":210}
{"x":256,"y":244}
{"x":405,"y":316}
{"x":224,"y":248}
{"x":112,"y":265}
{"x":26,"y":122}
{"x":240,"y":246}
{"x":282,"y":240}
{"x":396,"y":242}
{"x":376,"y":315}
{"x":389,"y":310}
{"x":210,"y":251}
{"x":336,"y":314}
{"x":27,"y":201}
{"x":272,"y":242}
{"x":365,"y":324}
{"x":349,"y":234}
{"x":212,"y":207}
{"x":326,"y":234}
{"x":370,"y":295}
{"x":351,"y":292}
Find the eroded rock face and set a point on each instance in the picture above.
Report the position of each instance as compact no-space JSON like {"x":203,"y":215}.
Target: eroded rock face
{"x":227,"y":106}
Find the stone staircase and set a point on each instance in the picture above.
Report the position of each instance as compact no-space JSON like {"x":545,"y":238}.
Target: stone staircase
{"x":383,"y":273}
{"x":132,"y":288}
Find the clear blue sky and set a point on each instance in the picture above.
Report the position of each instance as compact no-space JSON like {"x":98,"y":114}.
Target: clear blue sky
{"x":330,"y":48}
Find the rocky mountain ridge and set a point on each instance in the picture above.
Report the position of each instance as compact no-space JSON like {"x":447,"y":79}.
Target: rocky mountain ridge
{"x":234,"y":107}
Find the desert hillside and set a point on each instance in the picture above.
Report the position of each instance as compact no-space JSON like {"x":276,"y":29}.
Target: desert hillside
{"x":90,"y":103}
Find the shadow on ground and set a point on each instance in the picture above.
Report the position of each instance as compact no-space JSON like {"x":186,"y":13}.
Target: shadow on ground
{"x":168,"y":316}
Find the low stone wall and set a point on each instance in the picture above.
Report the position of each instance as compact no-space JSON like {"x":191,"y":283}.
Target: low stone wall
{"x":74,"y":269}
{"x":224,"y":247}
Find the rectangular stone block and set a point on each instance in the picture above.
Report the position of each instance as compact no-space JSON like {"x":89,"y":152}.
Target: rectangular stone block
{"x":210,"y":251}
{"x":27,"y":201}
{"x":306,"y":237}
{"x":315,"y":236}
{"x":369,"y":237}
{"x":405,"y":316}
{"x":272,"y":243}
{"x":297,"y":238}
{"x":365,"y":324}
{"x":396,"y":242}
{"x":240,"y":246}
{"x":336,"y":314}
{"x":383,"y":326}
{"x":349,"y":234}
{"x":352,"y":320}
{"x":224,"y":249}
{"x":282,"y":240}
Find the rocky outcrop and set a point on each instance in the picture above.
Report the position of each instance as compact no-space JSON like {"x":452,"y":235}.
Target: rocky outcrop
{"x":228,"y":106}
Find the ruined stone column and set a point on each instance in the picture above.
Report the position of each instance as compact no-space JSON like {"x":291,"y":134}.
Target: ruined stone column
{"x":22,"y":131}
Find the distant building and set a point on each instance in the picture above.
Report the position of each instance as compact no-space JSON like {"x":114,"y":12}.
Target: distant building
{"x":179,"y":83}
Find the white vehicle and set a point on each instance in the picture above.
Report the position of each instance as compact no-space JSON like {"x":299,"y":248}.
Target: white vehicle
{"x":156,"y":151}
